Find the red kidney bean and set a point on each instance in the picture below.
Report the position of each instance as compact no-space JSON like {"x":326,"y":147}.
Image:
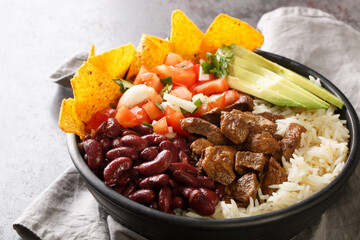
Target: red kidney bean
{"x":158,"y":165}
{"x":143,"y":196}
{"x":172,"y":183}
{"x":154,"y":139}
{"x":129,"y":189}
{"x":183,"y":157}
{"x":134,"y":141}
{"x":185,"y":178}
{"x":100,"y":131}
{"x":115,"y":168}
{"x":181,"y":145}
{"x":122,"y":152}
{"x":210,"y":196}
{"x":105,"y":144}
{"x":186,"y":191}
{"x":220,"y":191}
{"x":143,"y":129}
{"x":183,"y":166}
{"x":156,"y":181}
{"x":127,"y":176}
{"x":164,"y":199}
{"x":168,"y":145}
{"x":116,"y":142}
{"x":129,"y":132}
{"x":119,"y":189}
{"x":94,"y":153}
{"x":177,"y":191}
{"x":177,"y":202}
{"x":113,"y":128}
{"x":200,"y":203}
{"x":206,"y":182}
{"x":149,"y":154}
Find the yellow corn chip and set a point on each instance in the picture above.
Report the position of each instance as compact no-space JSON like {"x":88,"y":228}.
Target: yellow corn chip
{"x":185,"y":35}
{"x":227,"y":30}
{"x":148,"y":53}
{"x":68,"y":120}
{"x":93,"y":91}
{"x":115,"y":62}
{"x":92,"y":51}
{"x":166,"y":46}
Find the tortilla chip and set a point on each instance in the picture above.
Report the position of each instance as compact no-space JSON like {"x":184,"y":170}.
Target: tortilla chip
{"x":148,"y":53}
{"x":68,"y":120}
{"x":93,"y":91}
{"x":92,"y":51}
{"x":227,"y":30}
{"x":185,"y":35}
{"x":115,"y":62}
{"x":166,"y":46}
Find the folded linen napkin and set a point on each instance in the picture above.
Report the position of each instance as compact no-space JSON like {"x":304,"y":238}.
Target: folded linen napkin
{"x":66,"y":209}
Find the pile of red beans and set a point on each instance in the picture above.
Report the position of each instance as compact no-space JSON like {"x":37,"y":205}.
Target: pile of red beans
{"x":149,"y":168}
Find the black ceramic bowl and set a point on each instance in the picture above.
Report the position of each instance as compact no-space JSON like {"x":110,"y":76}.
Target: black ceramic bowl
{"x":281,"y":224}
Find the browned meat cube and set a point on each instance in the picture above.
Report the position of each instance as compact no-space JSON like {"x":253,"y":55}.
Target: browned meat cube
{"x":199,"y":144}
{"x":201,"y":127}
{"x":291,"y":140}
{"x":244,"y":188}
{"x":244,"y":103}
{"x":218,"y":163}
{"x":272,"y":117}
{"x":274,"y":174}
{"x":262,"y":143}
{"x":213,"y":116}
{"x":257,"y":123}
{"x":246,"y":161}
{"x":234,"y":127}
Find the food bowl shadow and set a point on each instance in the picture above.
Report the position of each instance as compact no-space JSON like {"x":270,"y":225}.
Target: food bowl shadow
{"x":281,"y":224}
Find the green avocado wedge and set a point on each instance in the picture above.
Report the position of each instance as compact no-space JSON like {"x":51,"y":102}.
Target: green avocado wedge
{"x":288,"y":75}
{"x":261,"y":92}
{"x":240,"y":67}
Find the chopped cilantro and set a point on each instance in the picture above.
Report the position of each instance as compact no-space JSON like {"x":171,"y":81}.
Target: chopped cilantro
{"x":159,"y":106}
{"x":198,"y":102}
{"x":147,"y":124}
{"x":166,"y":80}
{"x":112,"y":106}
{"x":124,"y":84}
{"x":217,"y":63}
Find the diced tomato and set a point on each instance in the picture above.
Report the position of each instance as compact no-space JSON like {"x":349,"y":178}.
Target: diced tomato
{"x":125,"y":117}
{"x":153,"y":111}
{"x":99,"y":117}
{"x":218,"y":102}
{"x":161,"y":126}
{"x":149,"y":79}
{"x":181,"y":92}
{"x":173,"y":119}
{"x":186,"y":64}
{"x":140,"y":115}
{"x":211,"y":87}
{"x":142,"y":70}
{"x":155,"y":97}
{"x":172,"y":59}
{"x":180,"y":76}
{"x":231,"y":96}
{"x":203,"y":108}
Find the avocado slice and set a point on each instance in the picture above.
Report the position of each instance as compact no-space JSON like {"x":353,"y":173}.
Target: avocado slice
{"x":299,"y":94}
{"x":275,"y":85}
{"x":261,"y":92}
{"x":286,"y":74}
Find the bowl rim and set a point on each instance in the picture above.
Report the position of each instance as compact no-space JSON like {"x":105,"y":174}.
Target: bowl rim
{"x":257,"y":220}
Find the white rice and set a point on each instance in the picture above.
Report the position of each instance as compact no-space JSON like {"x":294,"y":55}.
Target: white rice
{"x":320,"y":158}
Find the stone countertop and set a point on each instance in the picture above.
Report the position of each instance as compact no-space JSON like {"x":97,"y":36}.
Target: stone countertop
{"x":37,"y":36}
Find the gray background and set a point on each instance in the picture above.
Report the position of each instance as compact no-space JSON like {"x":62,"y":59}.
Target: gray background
{"x":38,"y":36}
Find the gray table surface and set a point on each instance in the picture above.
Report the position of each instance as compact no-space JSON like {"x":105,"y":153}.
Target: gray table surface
{"x":37,"y":36}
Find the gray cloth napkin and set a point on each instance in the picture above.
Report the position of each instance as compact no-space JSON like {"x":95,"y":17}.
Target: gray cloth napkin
{"x":66,"y":209}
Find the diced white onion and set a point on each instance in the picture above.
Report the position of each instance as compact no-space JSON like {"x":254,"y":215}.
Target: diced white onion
{"x":184,"y":104}
{"x":200,"y":96}
{"x":203,"y":76}
{"x":134,"y":95}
